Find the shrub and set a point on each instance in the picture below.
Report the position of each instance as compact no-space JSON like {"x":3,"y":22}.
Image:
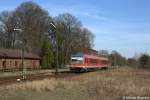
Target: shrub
{"x":144,"y":61}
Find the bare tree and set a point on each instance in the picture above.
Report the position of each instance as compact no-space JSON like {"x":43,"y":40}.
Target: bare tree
{"x":7,"y":23}
{"x":103,"y":53}
{"x":35,"y":23}
{"x":72,"y":36}
{"x":117,"y":59}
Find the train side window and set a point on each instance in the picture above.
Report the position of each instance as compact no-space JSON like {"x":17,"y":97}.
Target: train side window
{"x":93,"y":61}
{"x":104,"y":62}
{"x":85,"y":60}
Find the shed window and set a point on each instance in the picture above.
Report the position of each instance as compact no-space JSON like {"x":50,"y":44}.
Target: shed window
{"x":16,"y":64}
{"x":4,"y":64}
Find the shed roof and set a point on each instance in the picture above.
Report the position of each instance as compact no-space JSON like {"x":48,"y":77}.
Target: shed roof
{"x":16,"y":53}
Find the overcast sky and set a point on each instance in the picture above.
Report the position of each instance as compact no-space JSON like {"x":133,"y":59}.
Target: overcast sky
{"x":122,"y":25}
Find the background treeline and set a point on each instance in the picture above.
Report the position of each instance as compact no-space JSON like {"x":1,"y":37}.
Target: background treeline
{"x":40,"y":36}
{"x":142,"y":61}
{"x":116,"y":59}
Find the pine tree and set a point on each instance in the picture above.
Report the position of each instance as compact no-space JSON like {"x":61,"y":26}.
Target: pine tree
{"x":47,"y":56}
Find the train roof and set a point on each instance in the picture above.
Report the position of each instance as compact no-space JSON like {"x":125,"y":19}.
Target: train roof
{"x":81,"y":54}
{"x":95,"y":57}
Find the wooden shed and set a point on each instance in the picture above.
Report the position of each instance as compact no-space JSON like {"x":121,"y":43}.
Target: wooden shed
{"x":12,"y":59}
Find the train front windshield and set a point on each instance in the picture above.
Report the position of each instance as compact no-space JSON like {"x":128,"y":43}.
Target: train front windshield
{"x":76,"y":60}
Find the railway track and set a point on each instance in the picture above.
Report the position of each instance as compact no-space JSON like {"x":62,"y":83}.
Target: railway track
{"x":40,"y":76}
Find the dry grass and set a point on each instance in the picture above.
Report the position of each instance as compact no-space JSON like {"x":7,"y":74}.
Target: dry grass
{"x":101,"y":85}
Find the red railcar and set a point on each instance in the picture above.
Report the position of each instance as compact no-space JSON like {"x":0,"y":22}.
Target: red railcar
{"x":85,"y":62}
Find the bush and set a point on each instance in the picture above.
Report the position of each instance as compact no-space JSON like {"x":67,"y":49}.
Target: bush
{"x":144,"y":61}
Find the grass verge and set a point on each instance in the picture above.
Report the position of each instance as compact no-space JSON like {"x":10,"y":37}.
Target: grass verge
{"x":101,"y":85}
